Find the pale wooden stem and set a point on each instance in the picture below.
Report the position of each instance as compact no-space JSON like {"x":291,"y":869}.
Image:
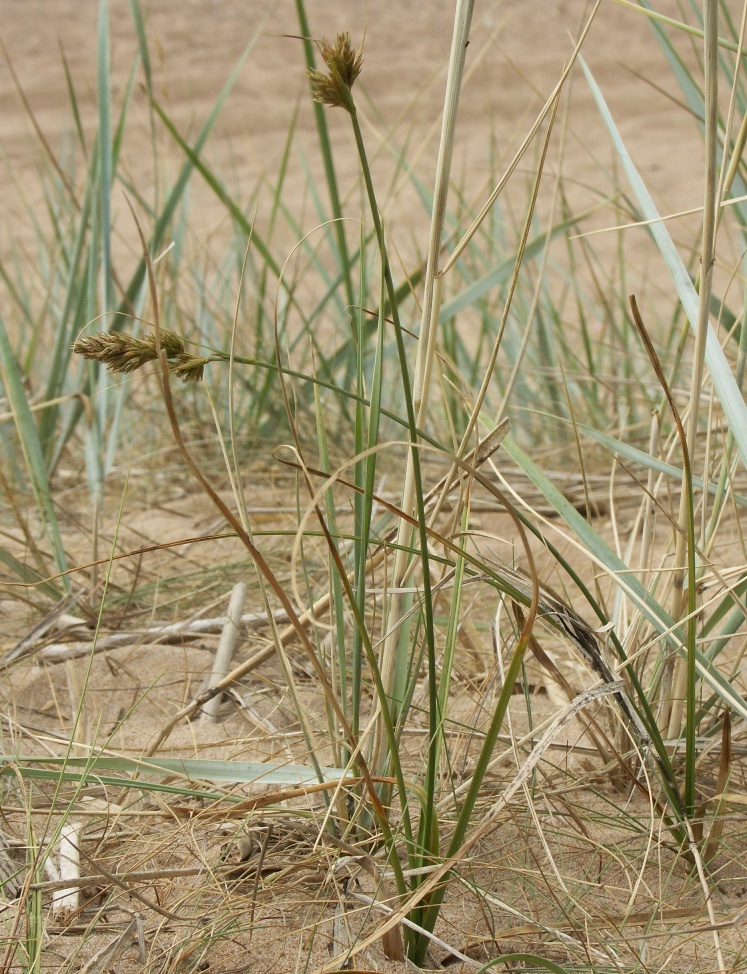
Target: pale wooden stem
{"x":428,"y":328}
{"x":66,"y":900}
{"x":224,"y":654}
{"x":708,"y":256}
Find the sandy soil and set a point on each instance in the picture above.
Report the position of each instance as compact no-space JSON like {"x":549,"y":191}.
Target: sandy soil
{"x":519,"y":47}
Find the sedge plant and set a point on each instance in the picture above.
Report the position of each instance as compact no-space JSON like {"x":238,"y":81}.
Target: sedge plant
{"x":394,"y":672}
{"x":384,"y":627}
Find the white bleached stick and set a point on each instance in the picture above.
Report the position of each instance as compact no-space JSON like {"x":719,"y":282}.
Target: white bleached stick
{"x":228,"y":639}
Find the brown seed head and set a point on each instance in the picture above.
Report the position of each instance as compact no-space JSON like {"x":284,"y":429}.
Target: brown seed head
{"x":121,"y":352}
{"x":189,"y":368}
{"x":171,"y":343}
{"x":118,"y":351}
{"x":344,"y":64}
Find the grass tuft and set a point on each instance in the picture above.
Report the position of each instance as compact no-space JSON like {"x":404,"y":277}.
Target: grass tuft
{"x":488,"y":704}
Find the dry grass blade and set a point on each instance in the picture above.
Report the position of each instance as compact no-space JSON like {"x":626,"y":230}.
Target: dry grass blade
{"x":683,"y":690}
{"x":546,"y":109}
{"x":722,"y":781}
{"x":110,"y":955}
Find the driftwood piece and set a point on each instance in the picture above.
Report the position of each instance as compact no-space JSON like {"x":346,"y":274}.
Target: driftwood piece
{"x":65,"y":901}
{"x":109,"y":956}
{"x":224,"y":654}
{"x":173,"y":633}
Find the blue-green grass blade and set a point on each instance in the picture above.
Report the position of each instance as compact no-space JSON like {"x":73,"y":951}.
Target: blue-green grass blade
{"x":32,"y":452}
{"x":694,"y":98}
{"x":68,"y":322}
{"x":724,"y":383}
{"x":119,"y":131}
{"x":194,"y":161}
{"x":733,"y":621}
{"x":75,"y":108}
{"x":625,"y":577}
{"x":500,"y":274}
{"x":191,"y":769}
{"x":338,"y":600}
{"x":142,"y":42}
{"x":105,"y":153}
{"x":632,"y":453}
{"x":362,"y":525}
{"x":527,"y":961}
{"x":330,"y":172}
{"x":165,"y":219}
{"x":29,"y":576}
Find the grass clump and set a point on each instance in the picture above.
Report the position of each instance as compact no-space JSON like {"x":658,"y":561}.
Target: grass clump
{"x":392,"y":739}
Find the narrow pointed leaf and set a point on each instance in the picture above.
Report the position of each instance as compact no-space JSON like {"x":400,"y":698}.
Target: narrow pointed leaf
{"x":724,"y":382}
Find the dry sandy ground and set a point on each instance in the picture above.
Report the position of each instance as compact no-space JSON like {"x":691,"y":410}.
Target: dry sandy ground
{"x":517,"y":51}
